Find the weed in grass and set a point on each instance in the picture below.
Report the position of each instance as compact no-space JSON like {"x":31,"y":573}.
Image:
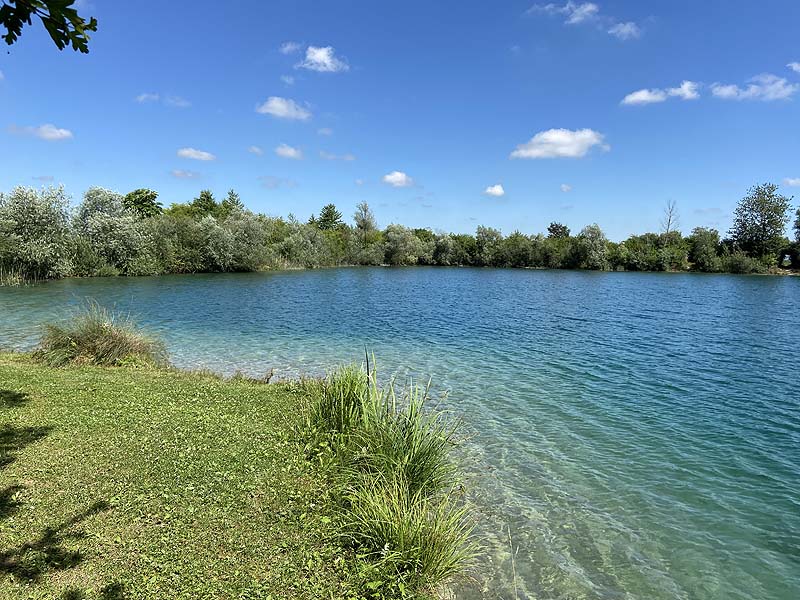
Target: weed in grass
{"x":98,"y":336}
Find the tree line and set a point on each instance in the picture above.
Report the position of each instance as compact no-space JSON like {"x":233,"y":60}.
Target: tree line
{"x":42,"y":237}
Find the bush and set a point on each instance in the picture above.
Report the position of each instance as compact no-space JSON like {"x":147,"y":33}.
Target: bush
{"x":397,"y":481}
{"x":738,"y":262}
{"x":99,"y":337}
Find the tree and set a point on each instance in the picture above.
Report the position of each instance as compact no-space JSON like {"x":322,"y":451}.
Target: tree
{"x":797,"y":227}
{"x":557,"y":230}
{"x":670,"y":220}
{"x":760,"y":221}
{"x":231,"y":204}
{"x":704,"y":246}
{"x":63,"y":23}
{"x":329,"y":218}
{"x":365,"y":223}
{"x":204,"y":205}
{"x":592,"y":248}
{"x":143,"y":203}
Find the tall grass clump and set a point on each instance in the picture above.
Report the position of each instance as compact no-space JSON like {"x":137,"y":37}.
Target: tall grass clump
{"x":98,"y":336}
{"x":396,"y":481}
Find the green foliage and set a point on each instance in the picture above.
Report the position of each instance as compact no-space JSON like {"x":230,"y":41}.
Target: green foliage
{"x":557,"y":230}
{"x":704,"y":249}
{"x":34,"y":233}
{"x":63,"y":23}
{"x":760,"y":221}
{"x":739,"y":262}
{"x":143,"y":203}
{"x":329,"y":218}
{"x":397,"y":481}
{"x":97,"y":336}
{"x":797,"y":226}
{"x":204,"y":205}
{"x":231,"y":205}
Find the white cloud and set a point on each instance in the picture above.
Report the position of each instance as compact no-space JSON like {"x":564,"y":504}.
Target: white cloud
{"x":43,"y":178}
{"x":325,"y":131}
{"x":177,"y":102}
{"x":687,"y":90}
{"x":287,"y":151}
{"x":323,"y":60}
{"x":495,"y":190}
{"x":328,"y":156}
{"x":398,"y":179}
{"x":47,"y":132}
{"x":146,"y":97}
{"x":195,"y":154}
{"x":765,"y":87}
{"x":255,"y":150}
{"x":359,"y":182}
{"x":560,"y":143}
{"x":581,"y":13}
{"x":792,"y":181}
{"x":287,"y":79}
{"x":182,"y":174}
{"x":283,"y":108}
{"x":174,"y":101}
{"x":645,"y":97}
{"x":289,"y":47}
{"x":565,"y":187}
{"x":626,"y":31}
{"x":2,"y":76}
{"x":794,"y":66}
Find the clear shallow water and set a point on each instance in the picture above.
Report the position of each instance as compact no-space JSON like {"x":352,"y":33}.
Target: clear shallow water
{"x":638,"y":435}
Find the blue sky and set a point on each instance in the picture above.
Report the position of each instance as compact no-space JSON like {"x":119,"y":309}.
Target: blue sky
{"x":575,"y":111}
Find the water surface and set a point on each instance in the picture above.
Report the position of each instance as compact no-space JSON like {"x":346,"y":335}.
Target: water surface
{"x":631,"y":435}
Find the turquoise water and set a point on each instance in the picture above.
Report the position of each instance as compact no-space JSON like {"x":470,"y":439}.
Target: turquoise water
{"x":634,"y":435}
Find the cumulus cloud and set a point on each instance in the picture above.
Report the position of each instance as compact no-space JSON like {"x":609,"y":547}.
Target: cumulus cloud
{"x":328,"y":156}
{"x":765,"y":87}
{"x":495,"y":190}
{"x":182,"y":174}
{"x":289,"y":47}
{"x":794,"y":66}
{"x":626,"y":31}
{"x":287,"y":151}
{"x":283,"y":108}
{"x":560,"y":143}
{"x":287,"y":79}
{"x":397,"y":179}
{"x":47,"y":132}
{"x":195,"y":154}
{"x":565,"y":187}
{"x":255,"y":150}
{"x":687,"y":90}
{"x":792,"y":181}
{"x":581,"y":13}
{"x":325,"y":131}
{"x":322,"y":60}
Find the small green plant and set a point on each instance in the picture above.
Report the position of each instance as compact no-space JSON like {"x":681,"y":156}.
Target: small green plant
{"x":98,"y":336}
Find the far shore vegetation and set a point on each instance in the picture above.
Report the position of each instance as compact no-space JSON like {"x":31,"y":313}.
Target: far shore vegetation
{"x":109,"y":234}
{"x":121,"y":477}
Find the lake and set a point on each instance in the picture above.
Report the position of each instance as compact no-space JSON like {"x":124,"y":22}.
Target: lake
{"x":629,"y":435}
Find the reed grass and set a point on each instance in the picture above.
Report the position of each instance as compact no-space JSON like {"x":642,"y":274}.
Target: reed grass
{"x":397,"y":481}
{"x":98,"y":336}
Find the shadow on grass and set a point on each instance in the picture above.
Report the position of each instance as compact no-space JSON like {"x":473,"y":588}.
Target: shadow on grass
{"x":112,"y":591}
{"x":31,"y":560}
{"x":11,"y":399}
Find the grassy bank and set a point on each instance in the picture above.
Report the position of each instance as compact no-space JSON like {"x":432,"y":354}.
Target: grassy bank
{"x":124,"y":483}
{"x":123,"y":478}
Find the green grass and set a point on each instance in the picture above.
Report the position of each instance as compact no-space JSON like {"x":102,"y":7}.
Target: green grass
{"x":144,"y":483}
{"x":98,"y":336}
{"x":395,"y":481}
